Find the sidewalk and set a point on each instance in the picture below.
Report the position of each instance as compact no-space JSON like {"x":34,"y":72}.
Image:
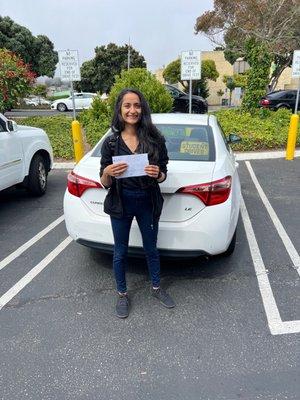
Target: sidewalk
{"x":240,"y":156}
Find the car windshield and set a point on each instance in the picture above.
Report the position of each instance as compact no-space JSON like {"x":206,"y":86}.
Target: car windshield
{"x":184,"y":142}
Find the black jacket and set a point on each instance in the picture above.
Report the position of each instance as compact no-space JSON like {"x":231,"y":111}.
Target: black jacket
{"x":113,"y":201}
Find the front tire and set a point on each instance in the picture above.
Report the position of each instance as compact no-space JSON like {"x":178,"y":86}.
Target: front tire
{"x":62,"y":107}
{"x":37,"y":178}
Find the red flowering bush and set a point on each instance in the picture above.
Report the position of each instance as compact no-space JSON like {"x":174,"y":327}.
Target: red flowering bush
{"x":15,"y":79}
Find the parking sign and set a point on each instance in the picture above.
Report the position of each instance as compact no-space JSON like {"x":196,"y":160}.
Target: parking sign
{"x":296,"y":64}
{"x":190,"y":65}
{"x":69,"y":65}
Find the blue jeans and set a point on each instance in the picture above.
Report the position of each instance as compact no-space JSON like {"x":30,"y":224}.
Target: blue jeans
{"x":136,"y":203}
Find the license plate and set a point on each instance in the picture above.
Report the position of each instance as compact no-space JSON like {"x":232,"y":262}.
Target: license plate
{"x":194,"y":148}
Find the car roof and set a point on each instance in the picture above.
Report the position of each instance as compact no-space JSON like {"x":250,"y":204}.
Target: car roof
{"x":181,"y":118}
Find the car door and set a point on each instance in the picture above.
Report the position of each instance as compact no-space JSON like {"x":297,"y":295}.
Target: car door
{"x":87,"y":100}
{"x":79,"y":101}
{"x":11,"y":157}
{"x":290,"y":99}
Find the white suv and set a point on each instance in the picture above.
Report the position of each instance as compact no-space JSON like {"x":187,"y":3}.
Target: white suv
{"x":26,"y":156}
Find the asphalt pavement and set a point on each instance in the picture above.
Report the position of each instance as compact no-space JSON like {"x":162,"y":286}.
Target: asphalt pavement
{"x":233,"y":335}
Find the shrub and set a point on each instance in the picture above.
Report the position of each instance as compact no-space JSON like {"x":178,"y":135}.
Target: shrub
{"x":96,"y":120}
{"x":261,"y":130}
{"x":159,"y":99}
{"x":58,"y":128}
{"x":15,"y":79}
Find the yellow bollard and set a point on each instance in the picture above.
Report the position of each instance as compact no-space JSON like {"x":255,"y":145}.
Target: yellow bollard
{"x":291,"y":142}
{"x":77,"y":140}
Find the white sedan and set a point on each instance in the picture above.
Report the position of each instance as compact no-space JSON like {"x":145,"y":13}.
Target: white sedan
{"x":82,"y":100}
{"x":201,"y":193}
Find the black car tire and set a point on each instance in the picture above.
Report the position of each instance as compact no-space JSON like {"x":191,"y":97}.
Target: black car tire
{"x":231,"y":246}
{"x":62,"y":107}
{"x":37,"y":177}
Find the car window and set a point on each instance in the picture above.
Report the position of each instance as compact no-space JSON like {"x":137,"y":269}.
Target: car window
{"x":290,"y":95}
{"x":184,"y":142}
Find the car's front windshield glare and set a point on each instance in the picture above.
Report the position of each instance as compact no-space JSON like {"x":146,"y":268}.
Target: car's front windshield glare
{"x":184,"y":142}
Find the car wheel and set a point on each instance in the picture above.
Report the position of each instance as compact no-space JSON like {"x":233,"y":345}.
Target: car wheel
{"x":62,"y":107}
{"x":37,"y":178}
{"x":231,"y":246}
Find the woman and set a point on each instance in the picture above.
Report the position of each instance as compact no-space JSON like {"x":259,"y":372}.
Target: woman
{"x":140,"y":197}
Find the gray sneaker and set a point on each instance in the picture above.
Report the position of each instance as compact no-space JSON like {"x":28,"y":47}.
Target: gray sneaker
{"x":122,"y":306}
{"x":163,"y":297}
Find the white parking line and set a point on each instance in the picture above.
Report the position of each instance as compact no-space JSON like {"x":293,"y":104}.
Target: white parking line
{"x":290,"y":248}
{"x":276,"y":325}
{"x":13,"y":291}
{"x":30,"y":242}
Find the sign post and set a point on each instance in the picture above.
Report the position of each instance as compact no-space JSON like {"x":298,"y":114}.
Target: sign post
{"x":190,"y":69}
{"x":292,"y":136}
{"x":70,"y":71}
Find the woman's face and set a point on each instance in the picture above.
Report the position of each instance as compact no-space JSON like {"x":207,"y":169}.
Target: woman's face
{"x":131,"y":108}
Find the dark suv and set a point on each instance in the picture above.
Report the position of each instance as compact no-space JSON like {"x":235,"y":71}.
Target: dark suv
{"x":280,"y":99}
{"x":181,"y":101}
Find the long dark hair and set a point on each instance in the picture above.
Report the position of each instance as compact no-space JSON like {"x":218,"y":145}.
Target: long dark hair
{"x":149,"y":136}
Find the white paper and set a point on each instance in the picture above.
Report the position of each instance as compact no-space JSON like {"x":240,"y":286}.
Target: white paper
{"x":136,"y":164}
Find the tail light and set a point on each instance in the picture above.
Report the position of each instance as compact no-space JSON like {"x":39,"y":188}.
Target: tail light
{"x":210,"y":193}
{"x":264,"y":102}
{"x":77,"y":184}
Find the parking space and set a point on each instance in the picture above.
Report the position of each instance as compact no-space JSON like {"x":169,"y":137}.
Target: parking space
{"x":230,"y":336}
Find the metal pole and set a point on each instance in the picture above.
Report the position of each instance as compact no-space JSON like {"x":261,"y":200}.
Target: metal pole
{"x":297,"y":98}
{"x":190,"y":97}
{"x":73,"y":101}
{"x":128,"y":56}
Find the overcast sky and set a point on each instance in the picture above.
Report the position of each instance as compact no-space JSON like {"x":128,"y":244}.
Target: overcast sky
{"x":158,"y":29}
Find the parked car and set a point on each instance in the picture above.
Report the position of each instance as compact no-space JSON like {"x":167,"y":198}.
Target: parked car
{"x":202,"y":192}
{"x":82,"y":100}
{"x":181,"y":101}
{"x":280,"y":99}
{"x":26,"y":156}
{"x":35,"y":101}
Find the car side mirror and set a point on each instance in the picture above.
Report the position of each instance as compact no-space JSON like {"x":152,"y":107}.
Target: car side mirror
{"x":11,"y":126}
{"x":233,"y":138}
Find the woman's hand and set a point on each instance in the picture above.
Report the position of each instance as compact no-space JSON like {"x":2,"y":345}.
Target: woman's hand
{"x":116,"y":169}
{"x":152,"y":170}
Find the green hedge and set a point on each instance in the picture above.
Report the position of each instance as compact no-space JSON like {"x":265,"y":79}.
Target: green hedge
{"x":59,"y":131}
{"x":263,"y":130}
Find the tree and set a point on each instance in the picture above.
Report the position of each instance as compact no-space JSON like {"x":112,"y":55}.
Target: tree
{"x":99,"y":73}
{"x":139,"y":78}
{"x":209,"y":71}
{"x":36,"y":51}
{"x":15,"y":79}
{"x":39,"y":91}
{"x":273,"y":26}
